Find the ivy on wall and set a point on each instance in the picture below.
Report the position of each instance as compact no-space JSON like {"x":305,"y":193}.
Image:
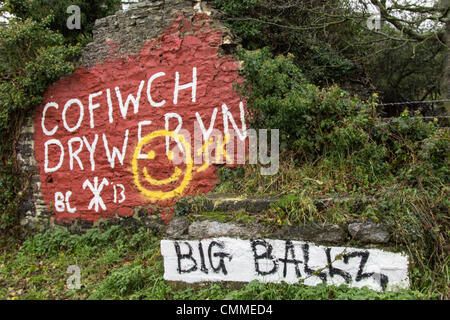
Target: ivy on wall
{"x":36,"y":49}
{"x":31,"y":57}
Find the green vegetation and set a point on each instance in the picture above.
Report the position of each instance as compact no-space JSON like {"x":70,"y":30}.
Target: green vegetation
{"x":38,"y":10}
{"x":336,"y":146}
{"x":125,"y":263}
{"x":302,"y":66}
{"x":36,"y":49}
{"x":31,"y":57}
{"x":329,"y":40}
{"x":293,"y":28}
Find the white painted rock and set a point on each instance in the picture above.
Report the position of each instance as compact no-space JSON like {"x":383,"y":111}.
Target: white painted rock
{"x":227,"y":259}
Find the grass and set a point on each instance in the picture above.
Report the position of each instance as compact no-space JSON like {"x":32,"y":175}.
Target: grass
{"x":119,"y":262}
{"x":125,"y":263}
{"x":414,"y":206}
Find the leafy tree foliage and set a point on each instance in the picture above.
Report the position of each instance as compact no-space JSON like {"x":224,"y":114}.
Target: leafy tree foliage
{"x":417,"y":34}
{"x":300,"y":28}
{"x":38,"y":10}
{"x":318,"y":122}
{"x":390,"y":160}
{"x":36,"y":49}
{"x":31,"y":57}
{"x":331,"y":43}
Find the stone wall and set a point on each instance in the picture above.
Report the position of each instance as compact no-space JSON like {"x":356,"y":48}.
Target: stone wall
{"x":33,"y":211}
{"x":125,"y":33}
{"x":131,"y":65}
{"x":104,"y":145}
{"x":226,"y":238}
{"x":191,"y":222}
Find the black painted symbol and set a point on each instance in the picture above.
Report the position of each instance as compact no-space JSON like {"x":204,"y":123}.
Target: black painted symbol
{"x":335,"y":271}
{"x":220,"y":267}
{"x":289,"y":249}
{"x":308,"y":270}
{"x":221,"y":255}
{"x":267,"y":255}
{"x":181,"y":257}
{"x":364,"y":255}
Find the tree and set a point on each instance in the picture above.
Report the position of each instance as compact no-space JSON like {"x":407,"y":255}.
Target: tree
{"x":331,"y":43}
{"x":445,"y":84}
{"x":419,"y":22}
{"x":37,"y":10}
{"x":315,"y":32}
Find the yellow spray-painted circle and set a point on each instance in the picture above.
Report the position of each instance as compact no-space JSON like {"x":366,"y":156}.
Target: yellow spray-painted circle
{"x":157,"y":194}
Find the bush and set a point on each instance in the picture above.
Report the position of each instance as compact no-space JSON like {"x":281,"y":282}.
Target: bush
{"x":401,"y":162}
{"x":279,"y":97}
{"x":31,"y":57}
{"x":316,"y":122}
{"x":38,"y":10}
{"x":330,"y":42}
{"x":36,"y":49}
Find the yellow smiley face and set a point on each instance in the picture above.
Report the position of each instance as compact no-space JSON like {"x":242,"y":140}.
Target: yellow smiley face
{"x":158,"y":194}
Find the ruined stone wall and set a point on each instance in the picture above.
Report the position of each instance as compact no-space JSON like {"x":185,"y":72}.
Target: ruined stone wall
{"x":79,"y":149}
{"x":105,"y":143}
{"x":125,"y":33}
{"x":209,"y":242}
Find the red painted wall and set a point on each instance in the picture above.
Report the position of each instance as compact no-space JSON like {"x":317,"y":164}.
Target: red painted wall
{"x":89,"y":128}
